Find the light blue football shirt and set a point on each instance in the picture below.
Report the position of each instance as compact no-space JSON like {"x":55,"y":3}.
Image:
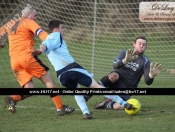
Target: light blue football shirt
{"x":57,"y":51}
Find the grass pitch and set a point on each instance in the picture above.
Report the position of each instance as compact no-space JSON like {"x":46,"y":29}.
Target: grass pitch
{"x":38,"y":114}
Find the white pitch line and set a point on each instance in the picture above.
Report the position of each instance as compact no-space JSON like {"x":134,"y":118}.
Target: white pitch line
{"x":26,"y":107}
{"x":51,"y":108}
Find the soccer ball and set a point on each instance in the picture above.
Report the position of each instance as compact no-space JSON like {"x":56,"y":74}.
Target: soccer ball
{"x":136,"y":105}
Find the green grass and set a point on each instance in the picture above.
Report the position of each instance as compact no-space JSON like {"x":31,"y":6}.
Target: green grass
{"x":38,"y":114}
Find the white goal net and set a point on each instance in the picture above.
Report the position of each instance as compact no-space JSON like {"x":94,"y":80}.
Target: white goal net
{"x":96,"y":31}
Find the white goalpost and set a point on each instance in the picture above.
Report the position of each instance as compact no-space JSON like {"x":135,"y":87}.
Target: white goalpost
{"x":96,"y":31}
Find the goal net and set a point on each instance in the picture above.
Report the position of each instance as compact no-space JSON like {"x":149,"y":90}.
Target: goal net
{"x":96,"y":31}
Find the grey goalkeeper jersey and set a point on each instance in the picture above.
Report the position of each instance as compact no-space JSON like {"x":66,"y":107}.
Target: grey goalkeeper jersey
{"x":132,"y":72}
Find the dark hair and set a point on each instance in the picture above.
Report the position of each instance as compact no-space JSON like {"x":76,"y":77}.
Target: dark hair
{"x":140,"y":37}
{"x":54,"y":24}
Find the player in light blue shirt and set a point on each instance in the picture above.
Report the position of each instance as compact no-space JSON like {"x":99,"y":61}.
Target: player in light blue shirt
{"x":70,"y":73}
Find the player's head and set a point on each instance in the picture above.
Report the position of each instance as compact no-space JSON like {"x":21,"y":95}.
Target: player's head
{"x":29,"y":12}
{"x":56,"y":26}
{"x":140,"y":44}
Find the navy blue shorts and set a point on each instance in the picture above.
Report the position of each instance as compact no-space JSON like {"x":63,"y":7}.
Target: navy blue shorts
{"x":74,"y":74}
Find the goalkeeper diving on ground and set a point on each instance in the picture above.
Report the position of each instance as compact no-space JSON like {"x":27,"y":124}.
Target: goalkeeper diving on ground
{"x":129,"y":66}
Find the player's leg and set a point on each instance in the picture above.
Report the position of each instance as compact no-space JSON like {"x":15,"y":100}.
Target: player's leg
{"x":83,"y":106}
{"x":29,"y":84}
{"x":120,"y":101}
{"x":107,"y":103}
{"x":23,"y":78}
{"x":114,"y":98}
{"x":69,"y":80}
{"x":93,"y":84}
{"x":106,"y":81}
{"x":47,"y":80}
{"x":62,"y":109}
{"x":40,"y":71}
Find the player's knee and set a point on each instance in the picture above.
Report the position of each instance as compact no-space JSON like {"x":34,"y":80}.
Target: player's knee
{"x":94,"y":84}
{"x":29,"y":84}
{"x":47,"y":80}
{"x":105,"y":81}
{"x":113,"y":77}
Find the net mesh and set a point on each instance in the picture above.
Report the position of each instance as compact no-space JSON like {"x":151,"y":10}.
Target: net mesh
{"x":96,"y":31}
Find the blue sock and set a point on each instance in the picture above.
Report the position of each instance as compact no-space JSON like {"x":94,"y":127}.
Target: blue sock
{"x":116,"y":98}
{"x":82,"y":104}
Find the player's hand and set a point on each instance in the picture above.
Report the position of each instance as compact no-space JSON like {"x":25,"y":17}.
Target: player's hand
{"x":36,"y":52}
{"x":155,"y":69}
{"x":2,"y":45}
{"x":130,"y":56}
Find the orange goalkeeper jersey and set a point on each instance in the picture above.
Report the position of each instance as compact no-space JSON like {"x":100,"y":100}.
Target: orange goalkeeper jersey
{"x":21,"y":36}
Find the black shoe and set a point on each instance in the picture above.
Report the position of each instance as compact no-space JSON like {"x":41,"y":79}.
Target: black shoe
{"x":10,"y":104}
{"x":102,"y":104}
{"x":65,"y":110}
{"x":129,"y":106}
{"x":87,"y":116}
{"x":87,"y":97}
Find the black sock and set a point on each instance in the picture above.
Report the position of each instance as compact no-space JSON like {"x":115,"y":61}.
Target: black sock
{"x":87,"y":97}
{"x":24,"y":96}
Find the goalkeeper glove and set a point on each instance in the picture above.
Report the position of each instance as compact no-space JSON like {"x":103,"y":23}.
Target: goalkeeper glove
{"x":155,"y":69}
{"x":130,"y":56}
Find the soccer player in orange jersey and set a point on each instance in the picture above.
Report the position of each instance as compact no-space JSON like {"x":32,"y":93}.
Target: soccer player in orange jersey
{"x":24,"y":65}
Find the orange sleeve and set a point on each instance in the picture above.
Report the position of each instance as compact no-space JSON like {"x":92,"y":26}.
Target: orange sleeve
{"x":43,"y":35}
{"x":36,"y":29}
{"x":32,"y":25}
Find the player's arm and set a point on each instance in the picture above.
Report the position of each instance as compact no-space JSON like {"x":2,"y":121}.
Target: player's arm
{"x":37,"y":52}
{"x":117,"y":63}
{"x":36,"y":29}
{"x":42,"y":34}
{"x":148,"y":80}
{"x":52,"y":42}
{"x":150,"y":71}
{"x":124,"y":58}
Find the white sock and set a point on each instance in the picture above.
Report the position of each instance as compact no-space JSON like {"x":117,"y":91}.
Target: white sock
{"x":82,"y":104}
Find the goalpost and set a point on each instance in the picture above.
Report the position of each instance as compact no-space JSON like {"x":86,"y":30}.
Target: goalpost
{"x":96,"y":31}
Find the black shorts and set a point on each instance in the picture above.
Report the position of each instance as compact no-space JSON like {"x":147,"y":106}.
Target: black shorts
{"x":120,"y":84}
